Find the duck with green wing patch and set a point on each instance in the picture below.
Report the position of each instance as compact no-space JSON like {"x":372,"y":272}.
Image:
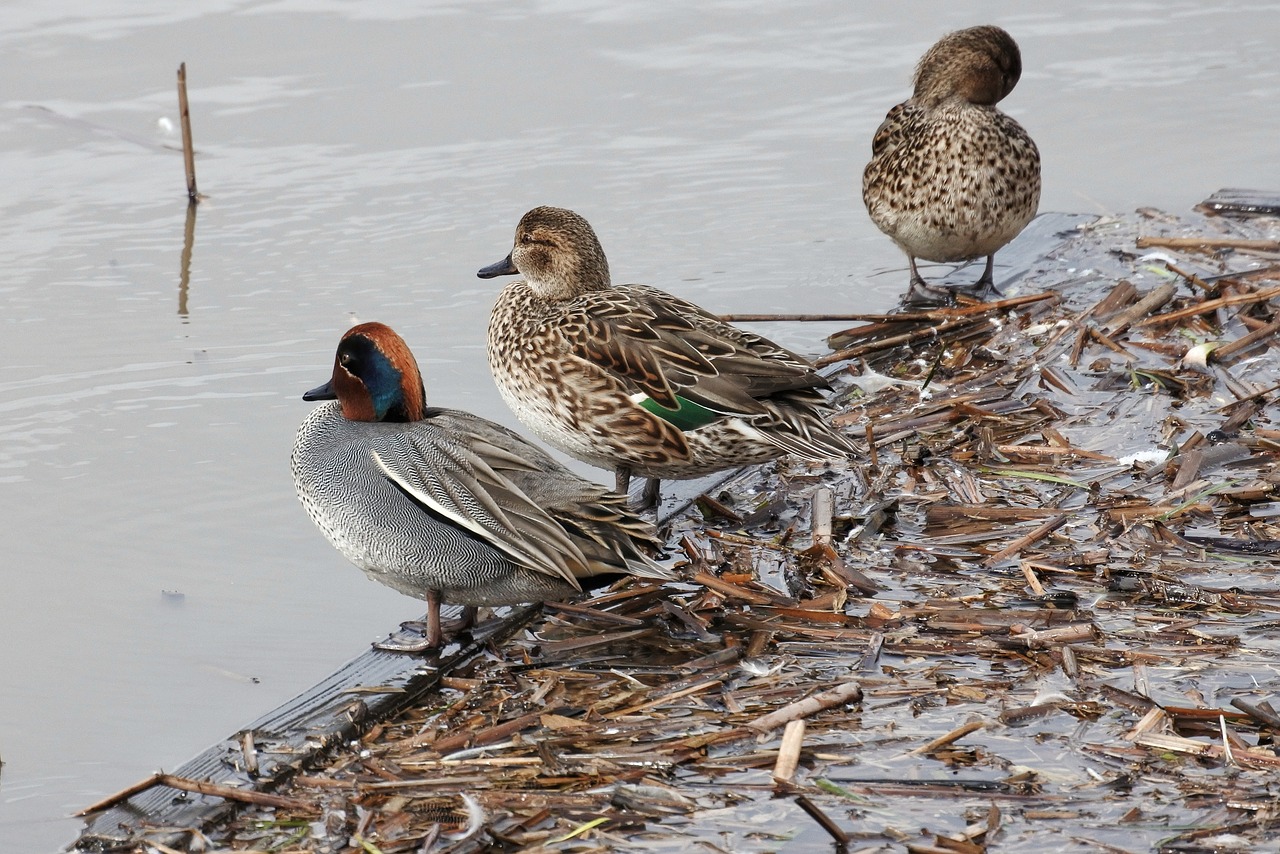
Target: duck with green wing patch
{"x":633,"y":379}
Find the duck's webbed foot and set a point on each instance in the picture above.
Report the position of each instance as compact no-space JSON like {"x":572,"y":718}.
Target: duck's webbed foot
{"x":924,"y":294}
{"x":651,"y":495}
{"x":648,"y":498}
{"x":985,"y":288}
{"x":432,"y":632}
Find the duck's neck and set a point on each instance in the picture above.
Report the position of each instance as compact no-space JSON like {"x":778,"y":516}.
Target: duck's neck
{"x":560,"y":288}
{"x":399,"y":410}
{"x":396,"y":389}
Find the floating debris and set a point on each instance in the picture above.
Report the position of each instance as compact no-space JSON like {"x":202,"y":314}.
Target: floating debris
{"x":1044,"y":612}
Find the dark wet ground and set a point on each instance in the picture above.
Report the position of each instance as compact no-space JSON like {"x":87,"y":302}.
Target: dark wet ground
{"x":1046,"y":616}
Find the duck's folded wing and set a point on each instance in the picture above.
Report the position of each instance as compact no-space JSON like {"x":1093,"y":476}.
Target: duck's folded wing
{"x":891,"y":130}
{"x":449,"y":479}
{"x":608,"y":533}
{"x":672,"y":350}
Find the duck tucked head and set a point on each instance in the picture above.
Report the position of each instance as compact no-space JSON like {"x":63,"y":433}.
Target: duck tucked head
{"x":980,"y":65}
{"x":375,"y":377}
{"x":557,"y":253}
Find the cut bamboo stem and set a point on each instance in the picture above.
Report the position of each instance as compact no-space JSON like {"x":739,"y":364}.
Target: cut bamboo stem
{"x":825,"y":821}
{"x":1149,"y":304}
{"x":1210,"y":305}
{"x":789,"y":752}
{"x":1244,"y":342}
{"x":1207,"y":243}
{"x":1040,"y":532}
{"x":823,"y":509}
{"x":245,"y":796}
{"x":119,"y":797}
{"x":801,"y":318}
{"x":953,"y":736}
{"x":188,"y":147}
{"x":848,"y":692}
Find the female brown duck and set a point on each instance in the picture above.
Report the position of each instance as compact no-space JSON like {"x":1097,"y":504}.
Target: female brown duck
{"x":952,"y":178}
{"x":637,"y":380}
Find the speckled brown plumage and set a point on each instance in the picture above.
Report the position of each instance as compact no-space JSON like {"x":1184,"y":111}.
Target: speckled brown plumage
{"x":582,"y":362}
{"x":952,"y":178}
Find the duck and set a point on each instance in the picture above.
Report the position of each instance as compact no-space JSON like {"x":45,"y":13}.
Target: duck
{"x":633,"y":379}
{"x":446,"y":506}
{"x":951,"y":177}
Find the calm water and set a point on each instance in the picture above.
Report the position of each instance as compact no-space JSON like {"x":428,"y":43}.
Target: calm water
{"x":160,"y":586}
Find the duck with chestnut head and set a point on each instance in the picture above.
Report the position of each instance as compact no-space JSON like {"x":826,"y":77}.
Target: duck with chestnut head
{"x":448,"y":507}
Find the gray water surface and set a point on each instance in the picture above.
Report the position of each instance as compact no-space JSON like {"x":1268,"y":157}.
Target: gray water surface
{"x":160,"y":586}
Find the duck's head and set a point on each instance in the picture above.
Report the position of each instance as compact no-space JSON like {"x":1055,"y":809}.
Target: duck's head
{"x":980,"y":65}
{"x":557,"y":253}
{"x":375,"y":377}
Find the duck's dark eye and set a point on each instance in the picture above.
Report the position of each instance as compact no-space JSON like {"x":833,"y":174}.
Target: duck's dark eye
{"x":526,"y":238}
{"x":346,"y":360}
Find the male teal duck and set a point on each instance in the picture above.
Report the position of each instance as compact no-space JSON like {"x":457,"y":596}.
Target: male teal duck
{"x":446,"y":506}
{"x":633,"y":379}
{"x":952,"y":178}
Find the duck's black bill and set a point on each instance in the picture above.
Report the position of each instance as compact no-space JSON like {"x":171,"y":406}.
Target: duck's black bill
{"x":502,"y":268}
{"x":324,"y":392}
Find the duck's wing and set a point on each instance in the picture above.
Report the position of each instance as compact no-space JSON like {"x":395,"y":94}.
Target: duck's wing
{"x":599,"y":521}
{"x":893,"y":129}
{"x":466,"y":485}
{"x":675,"y":351}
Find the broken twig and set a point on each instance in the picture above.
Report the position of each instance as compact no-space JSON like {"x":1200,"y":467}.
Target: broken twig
{"x":188,"y":147}
{"x":848,"y":692}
